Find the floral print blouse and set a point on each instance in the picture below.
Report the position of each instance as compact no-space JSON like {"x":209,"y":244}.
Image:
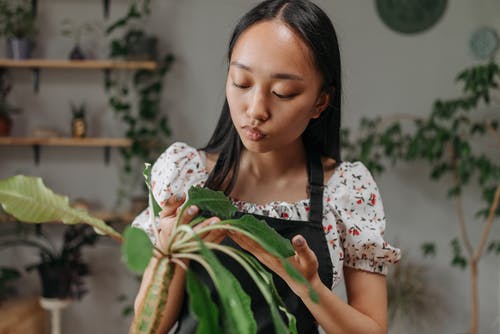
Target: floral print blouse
{"x":353,"y":214}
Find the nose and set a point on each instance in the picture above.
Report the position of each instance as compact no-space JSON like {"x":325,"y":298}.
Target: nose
{"x":258,"y":109}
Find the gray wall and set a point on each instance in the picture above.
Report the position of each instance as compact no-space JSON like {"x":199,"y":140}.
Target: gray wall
{"x":384,"y":73}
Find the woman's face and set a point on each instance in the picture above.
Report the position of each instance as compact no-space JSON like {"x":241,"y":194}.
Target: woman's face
{"x":273,"y":88}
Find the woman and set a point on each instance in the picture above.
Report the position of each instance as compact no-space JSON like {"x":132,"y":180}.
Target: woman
{"x":275,"y":152}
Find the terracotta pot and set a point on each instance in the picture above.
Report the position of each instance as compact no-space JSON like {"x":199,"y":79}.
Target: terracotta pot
{"x":5,"y":126}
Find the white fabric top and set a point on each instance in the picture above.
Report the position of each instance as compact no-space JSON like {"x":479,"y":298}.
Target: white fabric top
{"x":353,"y":214}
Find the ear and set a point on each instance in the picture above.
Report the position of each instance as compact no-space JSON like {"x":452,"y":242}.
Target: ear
{"x":321,"y":104}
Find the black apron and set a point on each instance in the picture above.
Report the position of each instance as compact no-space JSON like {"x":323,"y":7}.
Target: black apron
{"x":311,"y":230}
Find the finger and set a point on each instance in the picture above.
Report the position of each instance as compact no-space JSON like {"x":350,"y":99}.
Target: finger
{"x":189,"y":214}
{"x":211,"y":236}
{"x":304,"y":253}
{"x":171,"y":204}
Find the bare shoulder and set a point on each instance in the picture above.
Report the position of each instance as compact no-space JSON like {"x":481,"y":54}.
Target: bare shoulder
{"x":329,"y":165}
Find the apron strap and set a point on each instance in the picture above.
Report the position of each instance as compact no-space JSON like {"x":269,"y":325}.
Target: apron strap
{"x":316,"y":186}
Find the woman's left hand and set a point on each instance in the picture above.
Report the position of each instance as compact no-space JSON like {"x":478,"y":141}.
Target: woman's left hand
{"x":304,"y":260}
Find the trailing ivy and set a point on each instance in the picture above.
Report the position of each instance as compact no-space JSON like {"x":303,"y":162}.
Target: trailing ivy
{"x":136,"y":97}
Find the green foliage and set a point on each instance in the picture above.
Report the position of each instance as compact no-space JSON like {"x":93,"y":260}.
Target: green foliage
{"x":17,"y":19}
{"x":7,"y":277}
{"x":445,"y":139}
{"x":233,"y":307}
{"x":6,"y":109}
{"x":203,"y":307}
{"x":17,"y":193}
{"x":136,"y":99}
{"x":136,"y":249}
{"x":428,"y":249}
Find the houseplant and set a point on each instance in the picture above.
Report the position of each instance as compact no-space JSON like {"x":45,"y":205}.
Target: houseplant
{"x":6,"y":109}
{"x":446,"y":139}
{"x":17,"y":23}
{"x":76,"y":31}
{"x":136,"y":99}
{"x":61,"y":271}
{"x":18,"y":192}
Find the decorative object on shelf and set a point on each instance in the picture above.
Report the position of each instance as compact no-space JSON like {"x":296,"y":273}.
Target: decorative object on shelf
{"x":140,"y":46}
{"x":78,"y":123}
{"x":17,"y":23}
{"x":137,"y":103}
{"x":6,"y":109}
{"x":484,"y":43}
{"x":76,"y":31}
{"x":23,"y":315}
{"x":410,"y":16}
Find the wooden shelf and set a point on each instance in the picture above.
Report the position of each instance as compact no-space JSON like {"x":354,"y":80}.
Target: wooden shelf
{"x":65,"y":141}
{"x":36,"y":143}
{"x":79,"y":64}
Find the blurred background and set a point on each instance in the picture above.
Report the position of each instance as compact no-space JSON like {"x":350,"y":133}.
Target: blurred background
{"x":400,"y":65}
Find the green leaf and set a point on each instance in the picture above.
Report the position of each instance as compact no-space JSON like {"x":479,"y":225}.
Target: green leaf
{"x":210,"y":200}
{"x":147,"y":176}
{"x":236,"y":311}
{"x":147,"y":320}
{"x":429,"y":249}
{"x":29,"y":200}
{"x":137,"y":249}
{"x":202,"y":305}
{"x":264,"y":235}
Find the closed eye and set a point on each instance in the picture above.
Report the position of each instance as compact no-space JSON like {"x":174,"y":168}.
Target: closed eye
{"x":240,"y":86}
{"x":285,"y":97}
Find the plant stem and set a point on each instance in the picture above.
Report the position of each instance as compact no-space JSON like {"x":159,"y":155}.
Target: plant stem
{"x":489,"y":222}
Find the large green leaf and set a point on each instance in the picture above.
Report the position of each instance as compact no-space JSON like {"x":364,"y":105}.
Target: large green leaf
{"x":210,"y":200}
{"x":200,"y":303}
{"x":264,"y":281}
{"x":29,"y":200}
{"x":236,"y":311}
{"x":267,"y":237}
{"x":137,"y":249}
{"x":147,"y":320}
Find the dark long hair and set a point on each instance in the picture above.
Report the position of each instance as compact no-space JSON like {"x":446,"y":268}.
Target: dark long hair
{"x":323,"y":133}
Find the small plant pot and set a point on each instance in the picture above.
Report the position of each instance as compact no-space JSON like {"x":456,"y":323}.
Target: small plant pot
{"x":5,"y":126}
{"x":56,"y":281}
{"x":77,"y":53}
{"x":78,"y":128}
{"x":19,"y":48}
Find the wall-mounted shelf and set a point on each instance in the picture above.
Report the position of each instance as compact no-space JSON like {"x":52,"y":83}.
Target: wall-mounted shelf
{"x":36,"y":143}
{"x":106,"y":65}
{"x":105,"y":5}
{"x":79,"y":64}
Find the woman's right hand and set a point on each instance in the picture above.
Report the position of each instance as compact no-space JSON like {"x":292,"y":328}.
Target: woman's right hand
{"x":170,"y":214}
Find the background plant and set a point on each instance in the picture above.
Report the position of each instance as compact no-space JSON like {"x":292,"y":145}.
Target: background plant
{"x":66,"y":260}
{"x":136,"y":98}
{"x":451,"y":139}
{"x":17,"y":19}
{"x":6,"y":109}
{"x":233,"y":310}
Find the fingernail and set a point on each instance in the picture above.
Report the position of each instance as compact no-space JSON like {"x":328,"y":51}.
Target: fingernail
{"x":299,"y":241}
{"x":214,"y":221}
{"x":179,"y":196}
{"x":191,"y":210}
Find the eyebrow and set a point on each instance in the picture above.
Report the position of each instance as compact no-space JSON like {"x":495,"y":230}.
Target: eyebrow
{"x":285,"y":76}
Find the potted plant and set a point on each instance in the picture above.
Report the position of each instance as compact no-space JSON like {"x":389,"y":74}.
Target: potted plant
{"x":61,"y":270}
{"x":6,"y":109}
{"x":17,"y":23}
{"x":233,"y":309}
{"x":76,"y":31}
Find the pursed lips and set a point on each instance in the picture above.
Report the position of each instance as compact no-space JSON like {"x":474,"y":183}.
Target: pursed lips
{"x":253,"y":133}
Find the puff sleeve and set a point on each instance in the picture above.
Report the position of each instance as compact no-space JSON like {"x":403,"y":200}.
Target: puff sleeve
{"x":175,"y":171}
{"x":362,"y":222}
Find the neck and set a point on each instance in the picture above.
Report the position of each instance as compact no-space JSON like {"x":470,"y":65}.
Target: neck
{"x":274,"y":165}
